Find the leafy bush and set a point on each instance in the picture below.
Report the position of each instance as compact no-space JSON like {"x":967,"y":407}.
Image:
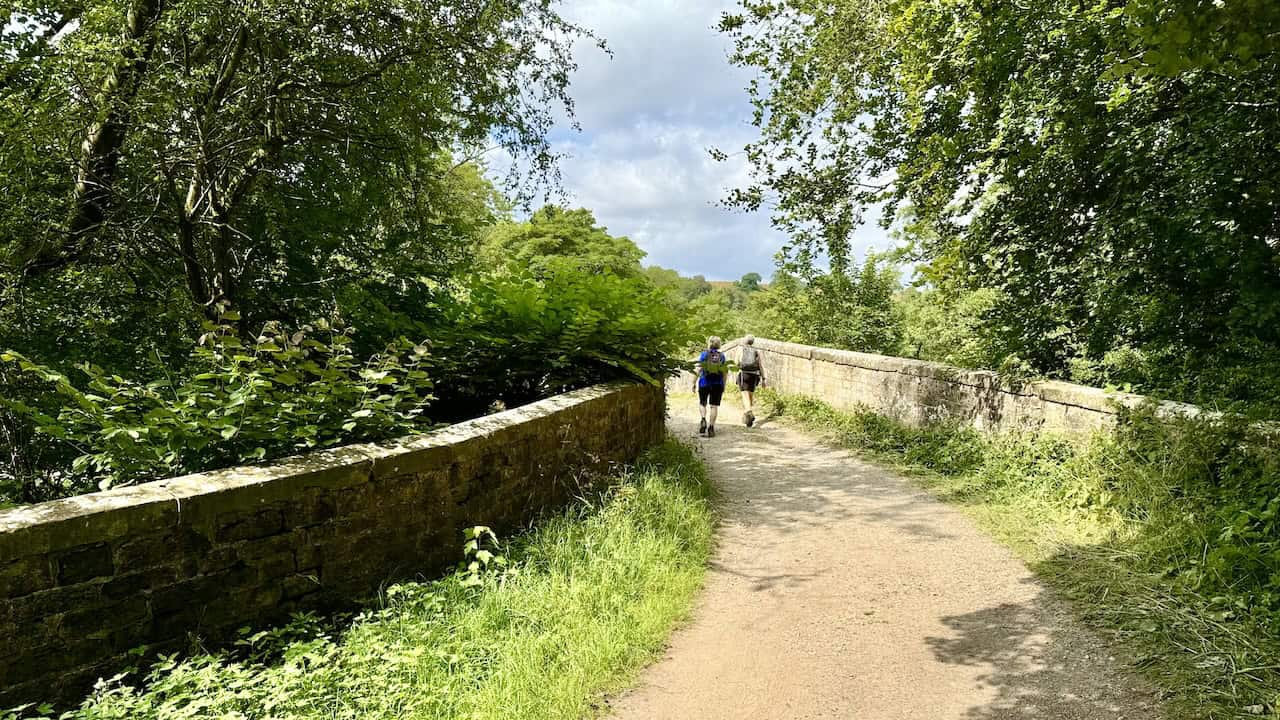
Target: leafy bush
{"x":1176,"y":523}
{"x":241,"y":401}
{"x":553,"y":233}
{"x":722,"y":312}
{"x":508,"y":338}
{"x":851,"y":311}
{"x":1242,"y":376}
{"x":521,"y":336}
{"x":29,"y":460}
{"x":580,"y":603}
{"x":952,"y":327}
{"x":963,"y":328}
{"x":1109,"y":168}
{"x":709,"y":309}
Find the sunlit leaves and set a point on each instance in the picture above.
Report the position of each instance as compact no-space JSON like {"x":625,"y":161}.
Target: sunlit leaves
{"x":244,"y":402}
{"x":1109,"y":167}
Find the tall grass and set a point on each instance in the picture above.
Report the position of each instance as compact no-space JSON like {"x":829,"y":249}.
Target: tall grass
{"x":581,"y":603}
{"x":1166,"y":534}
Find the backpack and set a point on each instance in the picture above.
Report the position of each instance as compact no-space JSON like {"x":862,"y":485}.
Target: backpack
{"x":750,"y":360}
{"x":715,"y":364}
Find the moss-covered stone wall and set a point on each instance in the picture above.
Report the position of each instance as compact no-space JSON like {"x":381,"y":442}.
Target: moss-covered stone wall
{"x":84,"y":581}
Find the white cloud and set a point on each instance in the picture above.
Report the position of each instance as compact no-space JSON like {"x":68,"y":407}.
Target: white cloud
{"x":649,"y":115}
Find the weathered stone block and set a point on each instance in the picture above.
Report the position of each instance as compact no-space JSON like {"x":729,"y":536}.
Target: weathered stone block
{"x":64,"y":525}
{"x":234,"y":527}
{"x":131,"y":637}
{"x":31,"y":608}
{"x":132,"y":584}
{"x":25,"y":576}
{"x":308,"y":511}
{"x":96,"y":623}
{"x":19,"y":640}
{"x":917,"y":392}
{"x":137,"y":553}
{"x":175,"y":623}
{"x":54,"y":661}
{"x":200,"y":590}
{"x":84,"y":563}
{"x":216,"y":560}
{"x":274,"y":566}
{"x":301,"y":584}
{"x":232,"y":609}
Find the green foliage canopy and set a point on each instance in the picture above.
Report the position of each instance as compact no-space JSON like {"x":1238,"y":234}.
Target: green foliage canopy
{"x":682,"y":289}
{"x":301,"y":165}
{"x":244,"y":148}
{"x":1109,"y":167}
{"x":505,"y":338}
{"x":952,"y":327}
{"x":524,"y":335}
{"x":839,"y":310}
{"x":554,"y":232}
{"x":720,"y":311}
{"x":750,"y":282}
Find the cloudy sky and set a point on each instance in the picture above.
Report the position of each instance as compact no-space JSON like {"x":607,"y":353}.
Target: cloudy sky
{"x":648,"y":116}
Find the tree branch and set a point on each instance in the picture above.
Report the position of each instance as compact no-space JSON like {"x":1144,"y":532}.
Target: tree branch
{"x":104,"y":139}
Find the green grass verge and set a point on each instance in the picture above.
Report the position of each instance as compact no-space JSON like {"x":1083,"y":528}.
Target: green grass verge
{"x":579,"y":606}
{"x":1166,"y":535}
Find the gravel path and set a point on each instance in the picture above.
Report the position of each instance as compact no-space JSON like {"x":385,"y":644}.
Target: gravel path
{"x":839,"y":590}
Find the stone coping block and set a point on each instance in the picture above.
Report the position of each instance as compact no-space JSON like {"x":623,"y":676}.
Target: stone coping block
{"x":918,"y":392}
{"x":1095,"y":400}
{"x":60,"y":524}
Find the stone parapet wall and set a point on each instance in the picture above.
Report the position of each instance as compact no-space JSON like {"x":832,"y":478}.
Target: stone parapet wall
{"x":85,"y":580}
{"x":916,"y":392}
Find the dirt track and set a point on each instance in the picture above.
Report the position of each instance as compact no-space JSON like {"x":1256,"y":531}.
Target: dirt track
{"x":841,"y":591}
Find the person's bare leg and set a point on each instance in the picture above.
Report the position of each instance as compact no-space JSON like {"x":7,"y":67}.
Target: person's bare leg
{"x":711,"y":418}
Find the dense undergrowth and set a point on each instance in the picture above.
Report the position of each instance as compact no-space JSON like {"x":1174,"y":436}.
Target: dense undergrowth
{"x":571,"y":612}
{"x":1164,"y":533}
{"x":246,"y":393}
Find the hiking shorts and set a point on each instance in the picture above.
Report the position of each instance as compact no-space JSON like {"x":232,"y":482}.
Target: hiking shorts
{"x":748,"y":381}
{"x":711,"y":393}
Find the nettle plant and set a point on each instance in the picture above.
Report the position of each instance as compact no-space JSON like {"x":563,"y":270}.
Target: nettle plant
{"x":482,"y":557}
{"x":240,"y":401}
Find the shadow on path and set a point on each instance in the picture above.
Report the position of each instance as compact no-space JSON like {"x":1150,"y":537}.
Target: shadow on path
{"x":1029,"y":655}
{"x":839,"y":590}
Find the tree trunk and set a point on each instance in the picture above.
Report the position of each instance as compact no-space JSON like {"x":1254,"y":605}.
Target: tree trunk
{"x":224,"y":269}
{"x":104,"y":139}
{"x":196,"y":284}
{"x":100,"y":153}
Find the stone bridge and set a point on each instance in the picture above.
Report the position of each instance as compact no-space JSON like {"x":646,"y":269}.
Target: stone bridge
{"x":84,"y":581}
